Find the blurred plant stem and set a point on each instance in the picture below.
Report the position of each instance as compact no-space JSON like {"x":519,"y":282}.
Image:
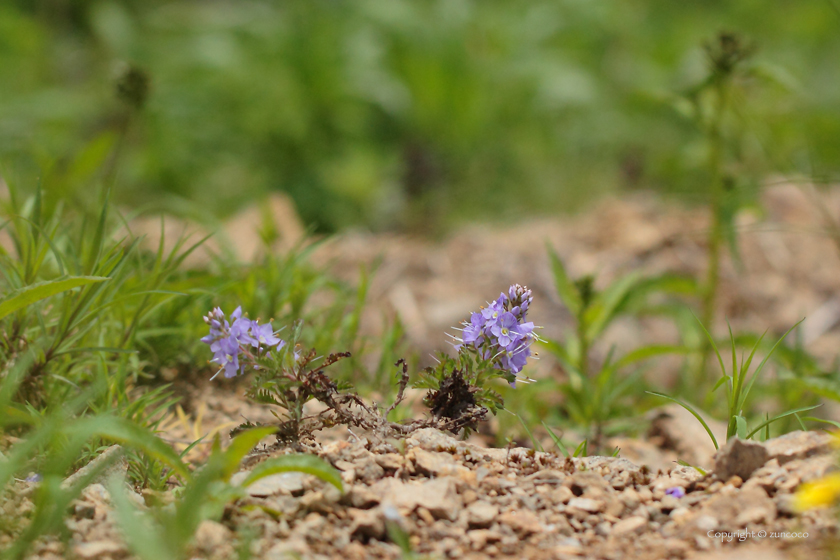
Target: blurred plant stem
{"x":726,"y":55}
{"x":715,"y":238}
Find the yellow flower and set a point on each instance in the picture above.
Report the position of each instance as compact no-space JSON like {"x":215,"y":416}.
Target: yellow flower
{"x":818,"y":493}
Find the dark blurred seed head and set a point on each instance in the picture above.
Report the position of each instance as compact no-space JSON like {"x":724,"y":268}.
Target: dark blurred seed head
{"x":727,"y":52}
{"x":586,"y":289}
{"x":132,"y":86}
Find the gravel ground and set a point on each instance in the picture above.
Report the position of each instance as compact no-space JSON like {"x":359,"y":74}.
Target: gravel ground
{"x":458,"y":500}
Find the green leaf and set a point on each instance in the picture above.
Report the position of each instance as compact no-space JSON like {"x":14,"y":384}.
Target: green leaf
{"x":724,"y":378}
{"x":580,"y":451}
{"x":565,"y":287}
{"x":714,"y":346}
{"x":823,"y":420}
{"x":142,"y":534}
{"x":608,"y":304}
{"x":698,"y":469}
{"x":308,"y":464}
{"x":692,"y":411}
{"x":537,"y":445}
{"x":780,"y":416}
{"x":761,"y":365}
{"x":131,"y":435}
{"x":652,"y":351}
{"x":42,"y":290}
{"x":241,"y":445}
{"x":740,"y":426}
{"x":557,"y":440}
{"x":96,"y":349}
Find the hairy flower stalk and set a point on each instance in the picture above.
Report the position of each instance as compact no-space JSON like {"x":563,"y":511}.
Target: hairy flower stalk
{"x":232,"y":344}
{"x":500,"y":332}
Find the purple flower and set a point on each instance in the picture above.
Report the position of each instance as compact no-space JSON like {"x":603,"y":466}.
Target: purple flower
{"x":500,"y":332}
{"x":227,"y":356}
{"x":229,"y":343}
{"x":473,"y":330}
{"x":264,"y":335}
{"x":675,"y":491}
{"x":242,"y":331}
{"x":33,"y":478}
{"x":491,"y":314}
{"x":515,"y":359}
{"x":505,"y":330}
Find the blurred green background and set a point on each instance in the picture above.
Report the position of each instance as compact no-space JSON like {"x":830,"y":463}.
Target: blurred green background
{"x":392,"y":114}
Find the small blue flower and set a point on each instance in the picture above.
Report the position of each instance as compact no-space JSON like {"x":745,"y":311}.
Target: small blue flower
{"x":473,"y":330}
{"x":500,"y":331}
{"x":33,"y":478}
{"x":505,"y":331}
{"x":264,"y":335}
{"x":230,"y":343}
{"x":227,"y":356}
{"x":675,"y":491}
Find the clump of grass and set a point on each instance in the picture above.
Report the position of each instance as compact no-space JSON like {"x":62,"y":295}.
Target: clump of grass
{"x":167,"y":531}
{"x":738,"y":384}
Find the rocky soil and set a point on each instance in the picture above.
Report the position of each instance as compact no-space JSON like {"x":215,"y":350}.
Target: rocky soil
{"x":454,"y":499}
{"x":457,"y":499}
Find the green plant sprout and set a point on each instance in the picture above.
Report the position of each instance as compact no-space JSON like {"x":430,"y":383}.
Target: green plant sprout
{"x":738,"y":389}
{"x":593,"y":395}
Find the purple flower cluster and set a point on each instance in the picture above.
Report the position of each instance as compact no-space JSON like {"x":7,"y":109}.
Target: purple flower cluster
{"x":227,"y":341}
{"x":500,"y":331}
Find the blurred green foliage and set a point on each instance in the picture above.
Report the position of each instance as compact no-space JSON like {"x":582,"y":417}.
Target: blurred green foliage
{"x":391,"y":113}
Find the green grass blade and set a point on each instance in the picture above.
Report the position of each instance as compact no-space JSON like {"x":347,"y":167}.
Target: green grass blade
{"x":714,"y":346}
{"x":537,"y":445}
{"x":42,"y":290}
{"x":736,"y":373}
{"x":308,"y":464}
{"x":689,"y":465}
{"x":242,"y":444}
{"x":652,"y":351}
{"x":780,"y":416}
{"x":565,"y":287}
{"x":740,"y":426}
{"x":761,"y":365}
{"x":823,"y":420}
{"x":95,"y":349}
{"x":131,"y":435}
{"x":692,"y":411}
{"x":557,"y":440}
{"x":139,"y":529}
{"x":738,"y":403}
{"x":608,"y":304}
{"x":720,"y":382}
